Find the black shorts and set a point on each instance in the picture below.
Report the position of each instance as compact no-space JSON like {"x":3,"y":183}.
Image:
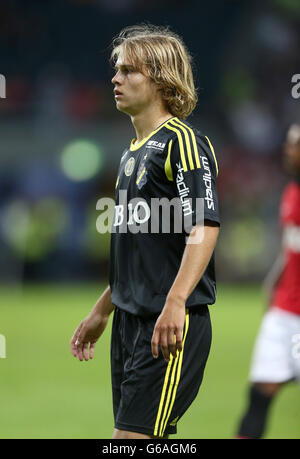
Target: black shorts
{"x":151,"y":395}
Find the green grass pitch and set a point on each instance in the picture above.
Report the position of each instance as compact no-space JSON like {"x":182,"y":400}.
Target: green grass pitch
{"x":46,"y":393}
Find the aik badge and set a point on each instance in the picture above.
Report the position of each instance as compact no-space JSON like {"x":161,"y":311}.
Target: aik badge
{"x":141,"y":176}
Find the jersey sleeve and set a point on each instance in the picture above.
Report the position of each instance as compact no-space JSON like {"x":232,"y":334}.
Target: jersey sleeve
{"x":192,"y":165}
{"x":290,"y":206}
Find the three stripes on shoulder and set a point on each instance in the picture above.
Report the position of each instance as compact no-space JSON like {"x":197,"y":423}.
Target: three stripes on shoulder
{"x":188,"y":148}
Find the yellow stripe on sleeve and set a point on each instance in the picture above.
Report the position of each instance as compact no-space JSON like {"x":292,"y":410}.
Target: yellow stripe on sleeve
{"x":168,"y":167}
{"x":195,"y":148}
{"x":181,"y":148}
{"x":187,"y":142}
{"x":213,"y":152}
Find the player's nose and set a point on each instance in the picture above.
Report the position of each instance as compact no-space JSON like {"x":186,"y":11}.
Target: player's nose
{"x":116,"y":78}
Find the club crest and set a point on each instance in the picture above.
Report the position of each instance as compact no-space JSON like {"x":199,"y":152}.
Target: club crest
{"x":129,"y":166}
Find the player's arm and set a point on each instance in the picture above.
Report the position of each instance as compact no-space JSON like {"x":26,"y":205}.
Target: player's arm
{"x":194,"y":164}
{"x":273,"y":276}
{"x":194,"y":261}
{"x":193,"y":265}
{"x":87,"y":333}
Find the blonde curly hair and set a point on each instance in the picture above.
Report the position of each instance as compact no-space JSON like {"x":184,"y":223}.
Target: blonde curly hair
{"x":160,"y":54}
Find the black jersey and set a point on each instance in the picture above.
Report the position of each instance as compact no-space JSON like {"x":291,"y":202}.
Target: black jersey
{"x":174,"y":164}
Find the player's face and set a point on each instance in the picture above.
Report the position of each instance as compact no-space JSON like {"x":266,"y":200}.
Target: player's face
{"x":292,"y":157}
{"x":133,"y":90}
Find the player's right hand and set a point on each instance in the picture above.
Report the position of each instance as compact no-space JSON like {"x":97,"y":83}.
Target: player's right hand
{"x":87,"y":333}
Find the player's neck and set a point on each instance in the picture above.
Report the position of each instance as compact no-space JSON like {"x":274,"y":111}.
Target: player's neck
{"x":147,"y":121}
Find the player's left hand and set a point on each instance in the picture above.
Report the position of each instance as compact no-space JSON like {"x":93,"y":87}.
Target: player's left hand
{"x":168,"y":329}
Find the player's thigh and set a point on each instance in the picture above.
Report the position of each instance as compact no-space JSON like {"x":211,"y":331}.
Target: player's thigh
{"x":155,"y":393}
{"x":117,"y":358}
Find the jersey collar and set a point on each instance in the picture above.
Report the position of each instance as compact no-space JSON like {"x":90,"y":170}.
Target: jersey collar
{"x":134,"y":147}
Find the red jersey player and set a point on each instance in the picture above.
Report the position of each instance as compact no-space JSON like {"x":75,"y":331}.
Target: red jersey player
{"x":276,"y":356}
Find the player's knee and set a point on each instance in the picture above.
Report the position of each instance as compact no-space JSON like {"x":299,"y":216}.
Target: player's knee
{"x":268,"y":389}
{"x":127,"y":435}
{"x":156,"y":437}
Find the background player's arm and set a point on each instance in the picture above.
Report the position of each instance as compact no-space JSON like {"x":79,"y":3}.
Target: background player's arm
{"x":273,"y":277}
{"x":87,"y":333}
{"x":193,"y":265}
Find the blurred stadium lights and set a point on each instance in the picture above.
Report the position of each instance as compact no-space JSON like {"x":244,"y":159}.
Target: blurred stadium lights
{"x":246,"y":242}
{"x":32,"y":229}
{"x":237,"y":85}
{"x":246,"y":246}
{"x":274,"y":34}
{"x":291,"y":6}
{"x":96,"y":245}
{"x":255,"y":127}
{"x":81,"y":160}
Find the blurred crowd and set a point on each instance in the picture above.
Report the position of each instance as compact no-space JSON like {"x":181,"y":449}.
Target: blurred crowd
{"x":62,"y":137}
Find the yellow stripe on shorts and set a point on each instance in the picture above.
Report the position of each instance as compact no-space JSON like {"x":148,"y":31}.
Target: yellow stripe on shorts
{"x":168,"y":399}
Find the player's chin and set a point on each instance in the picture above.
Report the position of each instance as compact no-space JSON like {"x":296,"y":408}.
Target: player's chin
{"x":122,"y":107}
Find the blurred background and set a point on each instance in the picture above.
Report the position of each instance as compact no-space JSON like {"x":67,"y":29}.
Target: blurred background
{"x":61,"y":138}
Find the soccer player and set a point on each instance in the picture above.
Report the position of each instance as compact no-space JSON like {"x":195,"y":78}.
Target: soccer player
{"x":276,"y":357}
{"x":161,"y":276}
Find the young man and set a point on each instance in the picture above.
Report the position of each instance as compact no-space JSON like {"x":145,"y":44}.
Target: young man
{"x":161,"y":279}
{"x":276,"y":358}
